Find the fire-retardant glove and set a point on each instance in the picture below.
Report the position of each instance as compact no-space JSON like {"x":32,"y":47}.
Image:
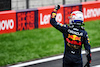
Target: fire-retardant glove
{"x":54,"y":12}
{"x":88,"y":60}
{"x":57,"y":7}
{"x":87,"y":64}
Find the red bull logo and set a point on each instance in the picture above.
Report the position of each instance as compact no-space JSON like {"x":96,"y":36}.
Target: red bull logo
{"x":74,"y":37}
{"x":73,"y":14}
{"x":74,"y":42}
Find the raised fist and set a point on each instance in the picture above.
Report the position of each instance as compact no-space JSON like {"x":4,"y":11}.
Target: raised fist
{"x":57,"y":7}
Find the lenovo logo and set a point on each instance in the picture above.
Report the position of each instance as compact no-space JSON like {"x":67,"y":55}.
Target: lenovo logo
{"x":89,"y":13}
{"x":6,"y":24}
{"x":45,"y":19}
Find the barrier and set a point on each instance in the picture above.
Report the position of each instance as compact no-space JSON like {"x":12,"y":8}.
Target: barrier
{"x":91,"y":10}
{"x":26,"y":19}
{"x":68,"y":9}
{"x":7,"y":22}
{"x":12,"y":21}
{"x":44,"y":16}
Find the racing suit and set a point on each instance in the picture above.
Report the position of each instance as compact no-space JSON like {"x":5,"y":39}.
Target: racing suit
{"x":74,"y":37}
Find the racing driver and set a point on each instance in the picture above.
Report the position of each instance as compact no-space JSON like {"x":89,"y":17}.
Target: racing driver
{"x":74,"y":36}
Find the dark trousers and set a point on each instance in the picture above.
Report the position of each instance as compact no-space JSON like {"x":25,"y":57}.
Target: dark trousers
{"x":72,"y":61}
{"x":72,"y":65}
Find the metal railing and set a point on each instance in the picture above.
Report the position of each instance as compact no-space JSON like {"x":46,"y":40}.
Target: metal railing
{"x":5,"y":5}
{"x":26,"y":4}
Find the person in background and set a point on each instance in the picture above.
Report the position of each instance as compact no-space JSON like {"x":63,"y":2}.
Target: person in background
{"x":74,"y":36}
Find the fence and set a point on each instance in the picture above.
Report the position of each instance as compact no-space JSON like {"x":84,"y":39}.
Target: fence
{"x":12,"y":21}
{"x":24,"y":4}
{"x":5,"y":5}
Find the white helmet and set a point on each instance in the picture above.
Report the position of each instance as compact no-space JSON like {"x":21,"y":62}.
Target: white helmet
{"x":76,"y":18}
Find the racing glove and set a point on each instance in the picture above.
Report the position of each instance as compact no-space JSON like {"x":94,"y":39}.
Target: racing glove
{"x":87,"y":64}
{"x":57,"y":7}
{"x":54,"y":12}
{"x":88,"y":59}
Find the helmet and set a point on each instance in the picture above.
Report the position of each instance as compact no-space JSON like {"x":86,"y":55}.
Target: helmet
{"x":76,"y":18}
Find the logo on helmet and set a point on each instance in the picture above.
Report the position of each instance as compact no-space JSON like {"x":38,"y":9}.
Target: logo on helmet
{"x":76,"y":18}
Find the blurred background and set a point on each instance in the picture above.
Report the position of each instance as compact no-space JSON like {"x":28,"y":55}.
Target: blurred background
{"x":26,"y":4}
{"x":32,"y":38}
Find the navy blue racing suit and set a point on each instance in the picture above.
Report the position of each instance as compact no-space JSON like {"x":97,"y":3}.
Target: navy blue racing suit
{"x":74,"y":37}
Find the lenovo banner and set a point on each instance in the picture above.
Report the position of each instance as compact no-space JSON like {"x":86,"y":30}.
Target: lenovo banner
{"x":70,"y":8}
{"x":91,"y":10}
{"x":7,"y":22}
{"x":11,"y":21}
{"x":27,"y":19}
{"x":44,"y":16}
